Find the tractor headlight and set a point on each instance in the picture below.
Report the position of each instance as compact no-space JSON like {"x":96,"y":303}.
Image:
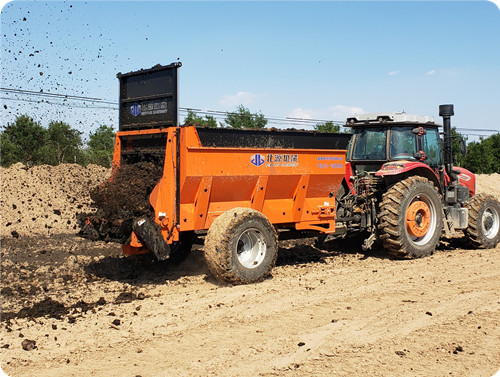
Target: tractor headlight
{"x":391,"y":167}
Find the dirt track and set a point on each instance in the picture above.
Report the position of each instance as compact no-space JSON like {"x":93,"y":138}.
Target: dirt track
{"x":324,"y":312}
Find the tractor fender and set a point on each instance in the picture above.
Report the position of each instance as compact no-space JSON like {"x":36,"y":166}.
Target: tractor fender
{"x":466,"y":178}
{"x":391,"y":170}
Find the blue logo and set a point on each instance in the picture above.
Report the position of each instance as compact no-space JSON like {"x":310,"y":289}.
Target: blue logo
{"x":135,"y":109}
{"x":257,"y":159}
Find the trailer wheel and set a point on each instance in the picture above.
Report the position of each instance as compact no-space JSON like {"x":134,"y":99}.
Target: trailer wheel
{"x":241,"y":246}
{"x":484,"y":221}
{"x":410,"y":218}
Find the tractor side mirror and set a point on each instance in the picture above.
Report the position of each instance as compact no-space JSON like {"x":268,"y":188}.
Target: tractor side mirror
{"x":419,"y":131}
{"x":420,"y":156}
{"x":462,"y":146}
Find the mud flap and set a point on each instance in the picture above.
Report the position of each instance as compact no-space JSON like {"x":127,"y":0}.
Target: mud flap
{"x":150,"y":235}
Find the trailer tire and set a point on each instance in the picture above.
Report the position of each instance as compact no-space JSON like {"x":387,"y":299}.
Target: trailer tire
{"x":411,"y":218}
{"x":241,"y":246}
{"x":484,"y":221}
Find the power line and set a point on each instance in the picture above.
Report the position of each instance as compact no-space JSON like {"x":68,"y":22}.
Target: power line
{"x":272,"y":120}
{"x":60,"y":104}
{"x":477,"y":129}
{"x":204,"y":112}
{"x":46,"y":94}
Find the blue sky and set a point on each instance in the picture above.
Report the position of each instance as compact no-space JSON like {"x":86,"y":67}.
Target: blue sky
{"x":320,"y":60}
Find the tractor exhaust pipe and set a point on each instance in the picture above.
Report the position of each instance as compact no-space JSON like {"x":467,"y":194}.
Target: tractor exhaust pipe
{"x":446,"y":111}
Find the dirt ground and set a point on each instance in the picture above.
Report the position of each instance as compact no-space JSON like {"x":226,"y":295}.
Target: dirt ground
{"x":73,"y":307}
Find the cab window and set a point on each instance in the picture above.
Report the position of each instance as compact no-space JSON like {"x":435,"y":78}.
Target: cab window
{"x":402,"y":144}
{"x":369,"y":144}
{"x":432,"y":147}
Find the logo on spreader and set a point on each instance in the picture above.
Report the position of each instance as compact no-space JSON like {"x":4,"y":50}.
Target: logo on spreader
{"x":135,"y":109}
{"x":257,"y":159}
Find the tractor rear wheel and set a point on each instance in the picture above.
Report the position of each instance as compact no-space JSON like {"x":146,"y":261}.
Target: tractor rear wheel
{"x":484,"y":221}
{"x":411,"y":218}
{"x":241,"y":246}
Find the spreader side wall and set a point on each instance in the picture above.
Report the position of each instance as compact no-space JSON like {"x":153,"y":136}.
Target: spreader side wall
{"x":290,"y":186}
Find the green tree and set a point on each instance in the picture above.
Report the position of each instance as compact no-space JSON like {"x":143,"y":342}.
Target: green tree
{"x":22,"y":141}
{"x":483,"y":157}
{"x":101,"y":146}
{"x":63,"y":145}
{"x":193,"y":118}
{"x":458,"y":157}
{"x":243,"y":118}
{"x":328,"y":126}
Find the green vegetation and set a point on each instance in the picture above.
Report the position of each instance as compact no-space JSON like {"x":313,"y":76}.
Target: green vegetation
{"x":100,"y":146}
{"x":22,"y":141}
{"x":327,"y":127}
{"x":26,"y":141}
{"x":458,"y":158}
{"x":243,"y":118}
{"x":483,"y":157}
{"x":193,"y":118}
{"x":63,"y":144}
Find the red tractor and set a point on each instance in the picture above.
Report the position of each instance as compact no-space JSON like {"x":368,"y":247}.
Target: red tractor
{"x":402,"y":188}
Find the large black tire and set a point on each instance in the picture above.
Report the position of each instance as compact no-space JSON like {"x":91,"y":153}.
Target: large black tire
{"x":484,"y":221}
{"x":417,"y":199}
{"x":241,"y":246}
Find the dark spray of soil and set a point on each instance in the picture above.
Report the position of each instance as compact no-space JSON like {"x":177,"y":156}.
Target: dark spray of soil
{"x":124,"y":196}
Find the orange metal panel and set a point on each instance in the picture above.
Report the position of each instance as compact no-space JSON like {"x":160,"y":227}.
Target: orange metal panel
{"x":291,"y":187}
{"x":259,"y":193}
{"x":299,"y":198}
{"x":201,"y":203}
{"x":116,"y":153}
{"x":162,"y":198}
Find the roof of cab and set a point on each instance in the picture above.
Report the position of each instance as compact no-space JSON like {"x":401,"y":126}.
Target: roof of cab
{"x":389,"y":118}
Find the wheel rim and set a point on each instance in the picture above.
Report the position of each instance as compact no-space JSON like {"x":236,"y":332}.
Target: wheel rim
{"x":251,"y":248}
{"x":490,"y":222}
{"x":418,"y":219}
{"x":421,"y":219}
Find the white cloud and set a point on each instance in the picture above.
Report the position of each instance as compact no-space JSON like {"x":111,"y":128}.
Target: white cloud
{"x":431,"y":72}
{"x":240,"y":98}
{"x":340,"y":112}
{"x":393,"y":73}
{"x":336,"y":112}
{"x":301,"y":113}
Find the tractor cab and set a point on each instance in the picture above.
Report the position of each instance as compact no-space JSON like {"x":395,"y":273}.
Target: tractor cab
{"x":381,"y":138}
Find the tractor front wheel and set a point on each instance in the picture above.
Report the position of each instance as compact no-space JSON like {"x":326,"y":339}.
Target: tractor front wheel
{"x":484,"y":221}
{"x":410,"y":218}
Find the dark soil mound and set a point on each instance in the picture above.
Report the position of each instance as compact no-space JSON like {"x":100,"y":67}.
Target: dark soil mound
{"x":126,"y":194}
